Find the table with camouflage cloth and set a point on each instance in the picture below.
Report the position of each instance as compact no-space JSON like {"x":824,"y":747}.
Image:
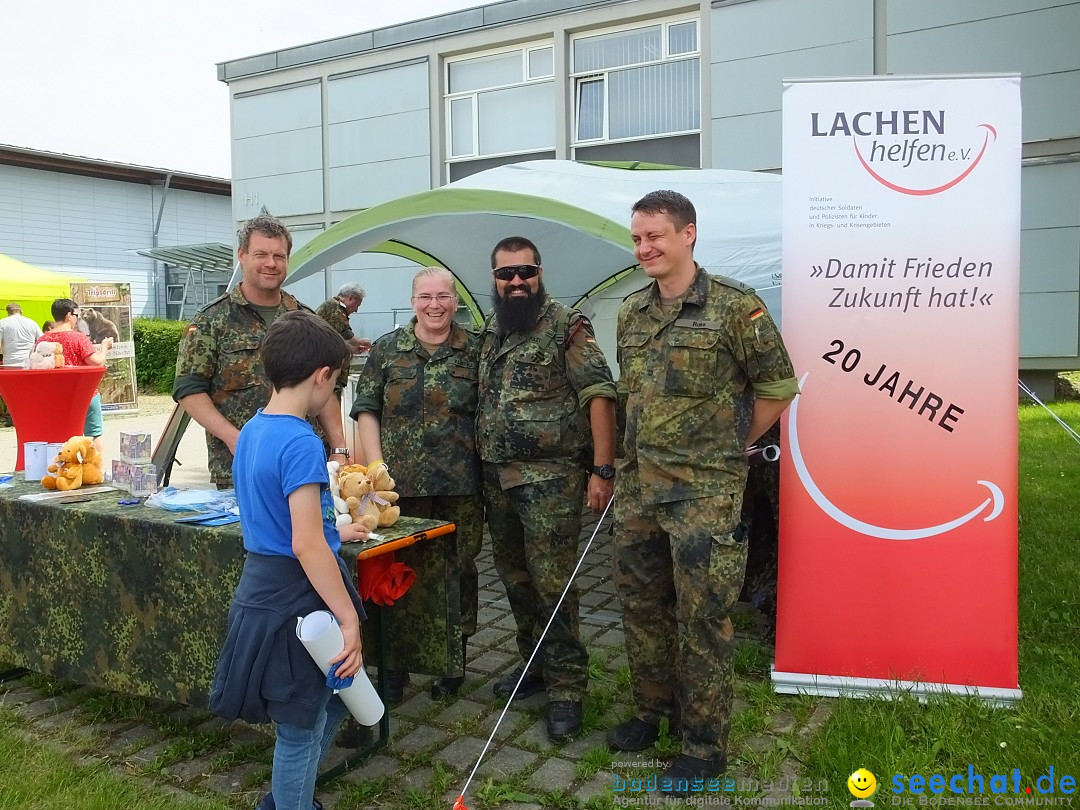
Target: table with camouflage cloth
{"x":125,"y":598}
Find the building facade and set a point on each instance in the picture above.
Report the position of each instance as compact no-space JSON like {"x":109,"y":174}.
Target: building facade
{"x":321,"y":131}
{"x":86,"y":218}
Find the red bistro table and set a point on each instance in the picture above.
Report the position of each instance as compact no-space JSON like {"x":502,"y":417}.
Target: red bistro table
{"x":48,"y":405}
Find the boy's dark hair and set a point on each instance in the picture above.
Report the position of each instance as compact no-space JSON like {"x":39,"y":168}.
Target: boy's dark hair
{"x":675,"y":205}
{"x":512,"y":244}
{"x":297,"y":344}
{"x":61,"y":307}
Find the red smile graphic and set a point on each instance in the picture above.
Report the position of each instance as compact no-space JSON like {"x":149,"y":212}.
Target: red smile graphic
{"x":922,"y":192}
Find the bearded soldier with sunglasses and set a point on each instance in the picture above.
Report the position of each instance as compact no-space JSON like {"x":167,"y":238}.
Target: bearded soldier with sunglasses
{"x":545,"y":387}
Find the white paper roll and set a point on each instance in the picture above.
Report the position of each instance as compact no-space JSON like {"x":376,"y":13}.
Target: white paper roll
{"x":321,"y":637}
{"x":35,"y":460}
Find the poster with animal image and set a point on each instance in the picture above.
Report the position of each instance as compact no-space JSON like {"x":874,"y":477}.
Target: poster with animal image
{"x":105,"y":311}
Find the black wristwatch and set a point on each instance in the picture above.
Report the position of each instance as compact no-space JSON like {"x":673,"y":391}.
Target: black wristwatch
{"x":605,"y":471}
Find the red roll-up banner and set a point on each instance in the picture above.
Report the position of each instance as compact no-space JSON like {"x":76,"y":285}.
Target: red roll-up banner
{"x":901,"y":258}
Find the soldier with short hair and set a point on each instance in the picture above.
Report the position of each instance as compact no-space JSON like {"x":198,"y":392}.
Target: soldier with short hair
{"x":336,"y":311}
{"x":544,"y":388}
{"x":415,"y":406}
{"x":694,"y":351}
{"x":219,"y":373}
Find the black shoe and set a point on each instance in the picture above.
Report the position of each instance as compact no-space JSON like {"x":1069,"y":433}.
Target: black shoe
{"x":564,"y":719}
{"x":441,"y":687}
{"x":680,"y":775}
{"x":532,"y":684}
{"x":633,"y":735}
{"x":395,"y":685}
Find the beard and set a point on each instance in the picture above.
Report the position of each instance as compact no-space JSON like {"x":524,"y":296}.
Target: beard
{"x":517,"y":314}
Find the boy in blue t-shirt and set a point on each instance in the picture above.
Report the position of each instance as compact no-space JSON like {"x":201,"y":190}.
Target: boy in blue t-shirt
{"x":292,"y":567}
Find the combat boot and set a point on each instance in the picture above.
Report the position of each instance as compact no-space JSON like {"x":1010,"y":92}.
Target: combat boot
{"x":680,"y":775}
{"x":443,"y":686}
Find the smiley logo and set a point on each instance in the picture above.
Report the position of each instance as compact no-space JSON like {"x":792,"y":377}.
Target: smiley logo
{"x":862,"y":784}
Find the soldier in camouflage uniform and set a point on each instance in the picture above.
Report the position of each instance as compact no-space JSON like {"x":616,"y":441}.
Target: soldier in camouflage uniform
{"x":415,"y":405}
{"x":219,"y":376}
{"x":544,"y":386}
{"x":336,"y":311}
{"x":694,"y":350}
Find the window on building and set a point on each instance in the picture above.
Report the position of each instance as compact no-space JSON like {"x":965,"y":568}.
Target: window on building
{"x":637,"y":82}
{"x":500,"y":103}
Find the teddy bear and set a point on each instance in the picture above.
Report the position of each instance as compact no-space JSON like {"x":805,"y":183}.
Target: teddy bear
{"x":333,"y":469}
{"x":369,"y":496}
{"x":47,"y":354}
{"x":77,"y":463}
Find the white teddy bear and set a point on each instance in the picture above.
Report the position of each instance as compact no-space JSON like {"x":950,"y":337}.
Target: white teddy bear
{"x":342,"y":508}
{"x":46,"y":355}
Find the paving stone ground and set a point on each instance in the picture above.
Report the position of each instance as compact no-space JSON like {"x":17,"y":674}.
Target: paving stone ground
{"x":434,"y":746}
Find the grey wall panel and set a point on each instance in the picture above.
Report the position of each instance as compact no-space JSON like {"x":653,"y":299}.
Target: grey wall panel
{"x":296,"y":150}
{"x":380,"y":92}
{"x":1050,"y":196}
{"x":1050,"y":260}
{"x":1051,"y":105}
{"x":283,"y":195}
{"x":754,"y":85}
{"x":367,"y":184}
{"x":910,"y":15}
{"x":774,"y":26}
{"x":277,"y":111}
{"x":372,"y":140}
{"x":1048,"y":325}
{"x":1033,"y":43}
{"x":747,"y":142}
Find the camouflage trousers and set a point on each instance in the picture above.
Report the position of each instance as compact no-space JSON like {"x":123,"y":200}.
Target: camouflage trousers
{"x":467,"y":513}
{"x":535,"y":530}
{"x":678,"y":568}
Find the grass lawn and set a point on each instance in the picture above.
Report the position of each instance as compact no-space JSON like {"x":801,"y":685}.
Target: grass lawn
{"x":946,"y":735}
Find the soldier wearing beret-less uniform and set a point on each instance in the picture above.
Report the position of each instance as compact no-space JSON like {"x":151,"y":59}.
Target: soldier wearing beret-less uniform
{"x":694,"y":351}
{"x":544,"y":389}
{"x":219,"y":377}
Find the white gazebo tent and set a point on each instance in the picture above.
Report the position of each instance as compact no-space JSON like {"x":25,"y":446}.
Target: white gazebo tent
{"x":578,"y":215}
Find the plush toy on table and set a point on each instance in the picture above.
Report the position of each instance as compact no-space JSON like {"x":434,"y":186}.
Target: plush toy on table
{"x":368,"y":495}
{"x":76,"y":464}
{"x":47,"y":355}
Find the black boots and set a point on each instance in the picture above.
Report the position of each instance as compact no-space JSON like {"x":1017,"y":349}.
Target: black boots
{"x":444,"y":686}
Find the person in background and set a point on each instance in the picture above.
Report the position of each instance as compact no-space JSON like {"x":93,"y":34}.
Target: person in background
{"x":18,"y":336}
{"x":47,"y":326}
{"x":79,"y":351}
{"x":545,"y":389}
{"x":219,"y":370}
{"x":292,"y":567}
{"x":415,"y":405}
{"x":695,"y":351}
{"x":336,"y":311}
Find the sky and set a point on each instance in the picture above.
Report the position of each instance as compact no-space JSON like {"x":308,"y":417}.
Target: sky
{"x":135,"y":81}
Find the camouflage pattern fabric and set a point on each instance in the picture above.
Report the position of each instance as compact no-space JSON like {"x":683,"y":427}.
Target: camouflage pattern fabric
{"x":219,"y":356}
{"x":426,"y":407}
{"x":533,"y":415}
{"x":684,"y":374}
{"x":678,"y":568}
{"x":534,"y":538}
{"x":125,"y":598}
{"x":333,"y":312}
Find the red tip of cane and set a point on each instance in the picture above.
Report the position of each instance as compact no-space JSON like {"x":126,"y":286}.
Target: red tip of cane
{"x":460,"y":803}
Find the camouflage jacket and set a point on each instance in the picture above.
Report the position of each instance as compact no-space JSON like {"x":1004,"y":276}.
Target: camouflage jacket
{"x":219,"y":356}
{"x":535,"y":388}
{"x":687,"y":376}
{"x":426,"y":406}
{"x":333,"y":312}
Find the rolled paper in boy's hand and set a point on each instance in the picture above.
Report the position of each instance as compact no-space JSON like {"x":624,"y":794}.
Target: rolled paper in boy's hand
{"x":760,"y":455}
{"x":321,"y":637}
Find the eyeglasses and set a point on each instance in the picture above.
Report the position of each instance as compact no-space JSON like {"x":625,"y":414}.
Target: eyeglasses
{"x":522,"y":271}
{"x":424,"y":298}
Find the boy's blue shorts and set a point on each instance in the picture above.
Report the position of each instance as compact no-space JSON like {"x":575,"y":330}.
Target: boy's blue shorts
{"x":94,"y":426}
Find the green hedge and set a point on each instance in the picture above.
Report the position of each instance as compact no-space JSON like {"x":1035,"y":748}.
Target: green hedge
{"x":156,"y":344}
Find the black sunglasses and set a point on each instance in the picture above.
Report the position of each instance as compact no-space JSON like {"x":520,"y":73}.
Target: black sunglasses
{"x":523,"y":271}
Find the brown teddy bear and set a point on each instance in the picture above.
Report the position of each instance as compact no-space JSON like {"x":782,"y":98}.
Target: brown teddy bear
{"x":369,"y":496}
{"x":76,"y":464}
